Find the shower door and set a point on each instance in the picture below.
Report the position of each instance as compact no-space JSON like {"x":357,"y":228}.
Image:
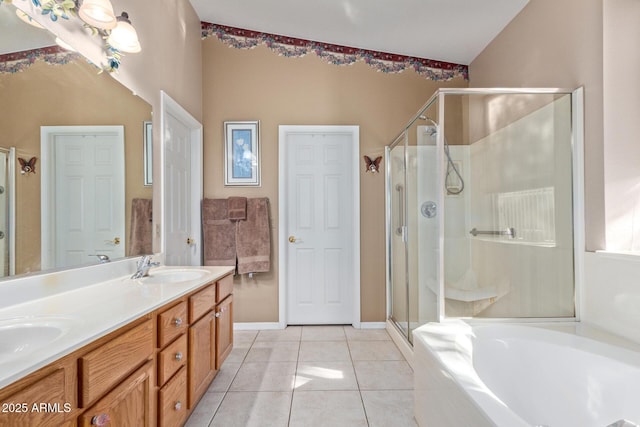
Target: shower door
{"x":413,"y":232}
{"x":398,"y":298}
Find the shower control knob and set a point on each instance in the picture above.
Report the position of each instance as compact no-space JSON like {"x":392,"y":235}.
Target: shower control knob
{"x":429,"y":209}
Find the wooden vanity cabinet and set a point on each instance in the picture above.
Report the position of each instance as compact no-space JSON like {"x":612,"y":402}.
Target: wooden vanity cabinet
{"x":150,"y":372}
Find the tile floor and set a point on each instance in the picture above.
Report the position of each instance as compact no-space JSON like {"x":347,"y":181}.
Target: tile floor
{"x":310,"y":376}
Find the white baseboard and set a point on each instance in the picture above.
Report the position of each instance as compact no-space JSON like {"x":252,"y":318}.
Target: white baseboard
{"x":373,"y":325}
{"x":255,"y":326}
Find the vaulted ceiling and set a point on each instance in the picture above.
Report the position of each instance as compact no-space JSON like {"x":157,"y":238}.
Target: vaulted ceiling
{"x":445,"y":30}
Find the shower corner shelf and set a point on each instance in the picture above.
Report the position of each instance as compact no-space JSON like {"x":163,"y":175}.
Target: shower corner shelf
{"x":469,"y":295}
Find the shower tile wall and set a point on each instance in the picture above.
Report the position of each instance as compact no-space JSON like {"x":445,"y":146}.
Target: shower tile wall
{"x":518,"y":174}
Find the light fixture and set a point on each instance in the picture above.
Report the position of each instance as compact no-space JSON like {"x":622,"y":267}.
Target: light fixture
{"x":26,"y":18}
{"x":124,"y":37}
{"x":98,"y":13}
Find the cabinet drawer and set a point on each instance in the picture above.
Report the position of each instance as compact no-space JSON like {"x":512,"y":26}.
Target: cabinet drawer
{"x":105,"y":366}
{"x":202,"y":302}
{"x":171,"y":359}
{"x":172,"y":400}
{"x":225,"y":288}
{"x":172,"y":323}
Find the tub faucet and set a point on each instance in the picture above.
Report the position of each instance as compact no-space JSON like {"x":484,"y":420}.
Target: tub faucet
{"x":144,"y":265}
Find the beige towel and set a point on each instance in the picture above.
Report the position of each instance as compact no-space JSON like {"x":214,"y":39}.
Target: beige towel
{"x":219,"y":234}
{"x":141,"y":230}
{"x":253,"y":238}
{"x":237,"y":208}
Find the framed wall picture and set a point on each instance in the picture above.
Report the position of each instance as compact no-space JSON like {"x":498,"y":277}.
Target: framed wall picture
{"x":242,"y":153}
{"x":148,"y":154}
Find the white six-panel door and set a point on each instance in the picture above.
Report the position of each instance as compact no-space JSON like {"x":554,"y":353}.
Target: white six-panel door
{"x":321,"y":253}
{"x":83,"y":194}
{"x":182,"y":162}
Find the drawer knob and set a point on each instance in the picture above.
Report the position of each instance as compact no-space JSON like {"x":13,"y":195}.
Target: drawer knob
{"x":177,"y":406}
{"x":177,"y":322}
{"x":179,"y":356}
{"x":218,"y":313}
{"x":100,"y":420}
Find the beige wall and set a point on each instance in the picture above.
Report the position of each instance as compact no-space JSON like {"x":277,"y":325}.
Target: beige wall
{"x":257,"y":84}
{"x":557,"y":44}
{"x":621,"y":124}
{"x":171,"y":58}
{"x":75,"y":95}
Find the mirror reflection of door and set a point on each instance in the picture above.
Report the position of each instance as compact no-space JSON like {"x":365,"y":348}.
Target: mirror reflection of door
{"x":86,"y":191}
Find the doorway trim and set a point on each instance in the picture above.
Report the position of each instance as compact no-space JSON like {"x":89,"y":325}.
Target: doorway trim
{"x":283,"y":132}
{"x":170,"y":107}
{"x":47,"y":181}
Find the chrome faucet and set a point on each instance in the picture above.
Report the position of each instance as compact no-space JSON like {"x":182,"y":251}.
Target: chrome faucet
{"x":144,"y":265}
{"x":102,"y":258}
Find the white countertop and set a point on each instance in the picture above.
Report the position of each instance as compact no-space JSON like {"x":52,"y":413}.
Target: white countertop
{"x":87,"y":312}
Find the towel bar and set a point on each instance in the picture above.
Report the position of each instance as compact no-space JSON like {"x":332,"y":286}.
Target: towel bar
{"x":511,"y":232}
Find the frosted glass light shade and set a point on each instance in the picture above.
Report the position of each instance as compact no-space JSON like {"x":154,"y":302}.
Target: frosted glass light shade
{"x":98,"y":13}
{"x":124,"y":37}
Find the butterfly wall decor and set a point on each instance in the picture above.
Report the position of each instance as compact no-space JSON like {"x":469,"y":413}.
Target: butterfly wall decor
{"x":373,"y":165}
{"x":27,"y":166}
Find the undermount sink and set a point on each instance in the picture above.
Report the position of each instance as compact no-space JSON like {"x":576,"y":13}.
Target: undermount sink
{"x":160,"y":277}
{"x":21,"y":336}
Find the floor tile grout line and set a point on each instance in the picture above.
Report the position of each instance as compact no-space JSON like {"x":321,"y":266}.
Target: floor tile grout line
{"x":364,"y":409}
{"x":295,"y":378}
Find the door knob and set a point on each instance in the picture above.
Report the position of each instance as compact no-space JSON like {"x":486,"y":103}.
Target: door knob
{"x":115,"y":241}
{"x":189,"y":241}
{"x":292,"y":239}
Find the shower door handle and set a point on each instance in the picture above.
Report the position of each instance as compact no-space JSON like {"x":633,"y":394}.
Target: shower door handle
{"x":401,"y":229}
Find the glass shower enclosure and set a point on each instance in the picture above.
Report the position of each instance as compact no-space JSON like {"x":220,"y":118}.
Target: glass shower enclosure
{"x":483,"y":196}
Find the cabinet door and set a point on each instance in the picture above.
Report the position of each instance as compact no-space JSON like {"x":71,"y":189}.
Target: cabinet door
{"x":43,"y":403}
{"x":129,"y":404}
{"x":224,"y":330}
{"x":202,"y":368}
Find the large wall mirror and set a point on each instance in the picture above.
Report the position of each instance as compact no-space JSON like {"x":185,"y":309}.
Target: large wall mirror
{"x":64,"y":92}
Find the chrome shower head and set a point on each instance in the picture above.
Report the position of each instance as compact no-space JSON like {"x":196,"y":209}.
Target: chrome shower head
{"x":428,"y":119}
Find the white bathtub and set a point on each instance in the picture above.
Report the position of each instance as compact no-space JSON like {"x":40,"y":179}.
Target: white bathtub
{"x":515,"y":375}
